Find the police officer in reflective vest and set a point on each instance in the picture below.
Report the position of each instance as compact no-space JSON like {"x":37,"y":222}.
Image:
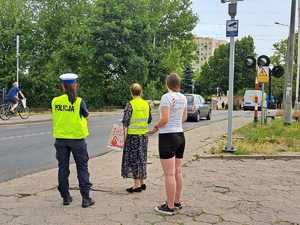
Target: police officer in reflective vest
{"x":70,"y":129}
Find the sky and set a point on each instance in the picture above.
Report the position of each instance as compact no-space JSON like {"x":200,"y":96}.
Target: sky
{"x":256,"y":18}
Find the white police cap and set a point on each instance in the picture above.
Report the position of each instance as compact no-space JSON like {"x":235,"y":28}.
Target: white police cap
{"x":68,"y":78}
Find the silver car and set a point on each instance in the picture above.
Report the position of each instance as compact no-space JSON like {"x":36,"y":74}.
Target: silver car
{"x":197,"y":108}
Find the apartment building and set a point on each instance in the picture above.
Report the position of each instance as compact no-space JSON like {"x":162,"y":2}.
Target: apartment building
{"x":205,"y":48}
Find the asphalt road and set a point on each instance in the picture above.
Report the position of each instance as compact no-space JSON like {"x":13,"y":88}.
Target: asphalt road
{"x":28,"y":148}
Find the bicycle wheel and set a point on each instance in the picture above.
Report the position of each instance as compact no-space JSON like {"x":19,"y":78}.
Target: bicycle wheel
{"x":4,"y":112}
{"x":24,"y":113}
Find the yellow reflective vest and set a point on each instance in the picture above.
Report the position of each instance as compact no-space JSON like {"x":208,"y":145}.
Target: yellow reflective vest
{"x":67,"y":122}
{"x":139,"y":118}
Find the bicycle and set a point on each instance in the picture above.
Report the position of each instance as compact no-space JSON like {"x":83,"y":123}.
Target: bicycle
{"x":22,"y":110}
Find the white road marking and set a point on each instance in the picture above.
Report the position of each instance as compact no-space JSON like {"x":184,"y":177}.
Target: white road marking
{"x":25,"y":136}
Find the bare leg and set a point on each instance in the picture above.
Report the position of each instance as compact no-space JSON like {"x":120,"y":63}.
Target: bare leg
{"x":137,"y":183}
{"x":168,"y":166}
{"x":14,"y":107}
{"x":179,"y":179}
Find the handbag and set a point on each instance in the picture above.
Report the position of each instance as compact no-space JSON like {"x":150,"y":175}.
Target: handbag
{"x":116,"y":139}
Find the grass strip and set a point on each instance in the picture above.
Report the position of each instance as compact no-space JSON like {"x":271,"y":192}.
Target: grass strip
{"x":269,"y":139}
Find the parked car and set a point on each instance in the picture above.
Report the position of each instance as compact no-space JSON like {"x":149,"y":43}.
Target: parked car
{"x":197,"y":108}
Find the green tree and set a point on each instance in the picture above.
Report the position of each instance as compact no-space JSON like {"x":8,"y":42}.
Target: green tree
{"x":154,"y":90}
{"x":110,"y":44}
{"x":140,"y":40}
{"x":187,"y":81}
{"x":58,"y":45}
{"x":15,"y":18}
{"x":279,"y":58}
{"x":119,"y":37}
{"x":215,"y":72}
{"x":174,"y":46}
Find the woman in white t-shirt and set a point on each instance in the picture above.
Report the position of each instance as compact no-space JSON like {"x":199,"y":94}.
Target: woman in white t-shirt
{"x":173,"y":112}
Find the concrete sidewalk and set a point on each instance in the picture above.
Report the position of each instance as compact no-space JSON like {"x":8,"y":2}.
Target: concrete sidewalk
{"x":248,"y":192}
{"x":45,"y":117}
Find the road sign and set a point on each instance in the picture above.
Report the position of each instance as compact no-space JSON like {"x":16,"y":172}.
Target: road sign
{"x":263,"y":75}
{"x":232,"y":28}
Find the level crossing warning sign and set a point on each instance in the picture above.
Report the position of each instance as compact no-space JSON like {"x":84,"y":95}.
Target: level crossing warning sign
{"x":263,"y":74}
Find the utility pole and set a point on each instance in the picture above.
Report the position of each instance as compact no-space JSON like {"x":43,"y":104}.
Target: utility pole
{"x":18,"y":55}
{"x":288,"y":93}
{"x":297,"y":106}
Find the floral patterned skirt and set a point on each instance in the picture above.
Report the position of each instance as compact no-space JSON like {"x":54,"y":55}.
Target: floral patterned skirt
{"x":134,"y":160}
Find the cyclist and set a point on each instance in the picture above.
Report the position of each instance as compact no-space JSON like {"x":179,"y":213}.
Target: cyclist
{"x":12,"y":96}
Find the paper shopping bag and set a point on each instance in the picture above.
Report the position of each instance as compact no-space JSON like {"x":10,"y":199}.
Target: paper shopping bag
{"x":116,"y":140}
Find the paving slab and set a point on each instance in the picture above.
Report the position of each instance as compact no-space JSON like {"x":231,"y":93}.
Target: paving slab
{"x":216,"y":191}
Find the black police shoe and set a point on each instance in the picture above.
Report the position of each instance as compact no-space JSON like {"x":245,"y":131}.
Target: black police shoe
{"x":87,"y":202}
{"x":67,"y":200}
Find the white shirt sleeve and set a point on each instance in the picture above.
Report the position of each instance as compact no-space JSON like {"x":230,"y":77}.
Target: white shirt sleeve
{"x":165,"y":101}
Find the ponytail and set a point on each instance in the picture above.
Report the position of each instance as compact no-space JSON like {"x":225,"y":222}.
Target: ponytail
{"x":71,"y":91}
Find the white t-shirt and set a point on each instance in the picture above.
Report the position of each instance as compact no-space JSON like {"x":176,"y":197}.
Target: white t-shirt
{"x":177,"y":103}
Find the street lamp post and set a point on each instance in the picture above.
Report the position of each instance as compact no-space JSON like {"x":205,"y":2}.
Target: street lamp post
{"x":231,"y":31}
{"x":230,"y":147}
{"x":18,"y":55}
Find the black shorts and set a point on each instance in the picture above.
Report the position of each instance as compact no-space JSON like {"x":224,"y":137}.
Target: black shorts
{"x":170,"y":145}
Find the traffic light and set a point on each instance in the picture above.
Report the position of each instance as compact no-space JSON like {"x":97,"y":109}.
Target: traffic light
{"x":250,"y":62}
{"x":263,"y":60}
{"x":277,"y":71}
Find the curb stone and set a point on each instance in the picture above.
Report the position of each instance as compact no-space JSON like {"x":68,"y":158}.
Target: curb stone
{"x":211,"y":121}
{"x":253,"y":157}
{"x":20,"y":122}
{"x":24,"y":122}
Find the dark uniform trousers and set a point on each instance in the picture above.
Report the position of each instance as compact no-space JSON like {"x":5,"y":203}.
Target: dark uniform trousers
{"x":64,"y":147}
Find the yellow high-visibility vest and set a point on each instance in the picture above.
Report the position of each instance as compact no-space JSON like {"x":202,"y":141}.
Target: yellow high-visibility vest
{"x":67,"y":122}
{"x":139,"y":118}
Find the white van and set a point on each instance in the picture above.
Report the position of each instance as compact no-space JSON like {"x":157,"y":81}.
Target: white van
{"x":249,"y":100}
